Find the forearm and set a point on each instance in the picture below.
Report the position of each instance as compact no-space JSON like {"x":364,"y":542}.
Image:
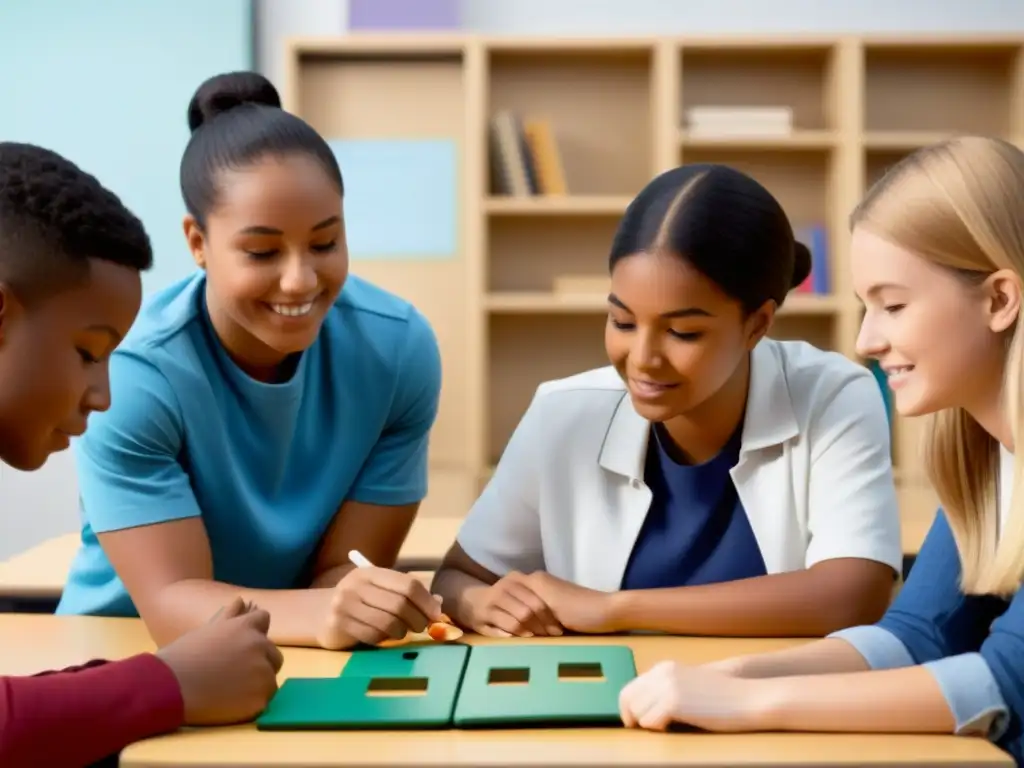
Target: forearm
{"x":296,"y":615}
{"x":796,"y":604}
{"x":906,"y":700}
{"x":330,"y":577}
{"x":821,"y":657}
{"x":457,"y":589}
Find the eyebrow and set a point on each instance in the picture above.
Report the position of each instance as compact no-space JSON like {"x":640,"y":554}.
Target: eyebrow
{"x":271,"y":231}
{"x":879,"y":287}
{"x":684,"y":312}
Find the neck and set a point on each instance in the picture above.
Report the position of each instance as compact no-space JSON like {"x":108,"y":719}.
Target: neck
{"x":251,"y":355}
{"x":699,"y":435}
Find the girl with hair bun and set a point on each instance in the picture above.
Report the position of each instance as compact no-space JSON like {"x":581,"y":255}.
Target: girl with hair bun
{"x":711,"y":480}
{"x":269,"y":414}
{"x":938,"y":260}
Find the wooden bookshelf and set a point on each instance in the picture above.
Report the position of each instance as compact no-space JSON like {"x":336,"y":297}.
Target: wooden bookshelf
{"x":618,"y":111}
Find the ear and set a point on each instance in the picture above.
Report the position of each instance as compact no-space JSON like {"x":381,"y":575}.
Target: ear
{"x":759,"y":323}
{"x":195,"y":239}
{"x":1003,"y":292}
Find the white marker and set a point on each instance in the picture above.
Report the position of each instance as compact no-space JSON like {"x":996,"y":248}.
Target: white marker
{"x":358,"y":559}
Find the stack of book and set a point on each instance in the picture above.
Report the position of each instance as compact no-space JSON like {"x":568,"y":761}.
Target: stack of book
{"x":715,"y":122}
{"x":524,"y":157}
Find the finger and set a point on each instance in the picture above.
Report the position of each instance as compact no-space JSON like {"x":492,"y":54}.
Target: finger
{"x":542,"y":620}
{"x":275,"y":657}
{"x":258,"y":620}
{"x":382,"y":623}
{"x":491,"y":631}
{"x":411,"y":590}
{"x":395,"y":605}
{"x":516,"y":599}
{"x":658,"y":716}
{"x":501,"y":619}
{"x":235,"y":608}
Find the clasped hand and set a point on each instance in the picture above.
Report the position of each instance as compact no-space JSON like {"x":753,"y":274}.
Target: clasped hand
{"x":370,"y":605}
{"x":539,"y":605}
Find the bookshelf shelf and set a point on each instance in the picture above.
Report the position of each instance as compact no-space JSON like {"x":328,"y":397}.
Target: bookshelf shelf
{"x":582,"y":124}
{"x":554,"y":205}
{"x":800,"y":139}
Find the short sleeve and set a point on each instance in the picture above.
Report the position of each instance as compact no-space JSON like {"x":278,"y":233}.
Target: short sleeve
{"x":395,"y":472}
{"x":502,"y":531}
{"x":852,"y":505}
{"x":127,"y":461}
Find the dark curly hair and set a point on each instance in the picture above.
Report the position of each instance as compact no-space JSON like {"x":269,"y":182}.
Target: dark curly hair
{"x":55,"y":218}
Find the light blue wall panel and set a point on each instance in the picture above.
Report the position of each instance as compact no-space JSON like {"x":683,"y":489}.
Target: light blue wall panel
{"x":107,"y":83}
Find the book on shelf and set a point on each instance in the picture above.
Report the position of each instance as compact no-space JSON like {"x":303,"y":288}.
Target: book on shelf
{"x":719,"y":122}
{"x":524,"y":157}
{"x":815,"y":237}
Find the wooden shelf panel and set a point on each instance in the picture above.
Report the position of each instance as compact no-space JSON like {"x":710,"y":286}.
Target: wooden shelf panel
{"x":551,"y":205}
{"x":528,"y":254}
{"x":757,"y":76}
{"x":814,"y":140}
{"x":544,"y":302}
{"x":798,"y":178}
{"x":527,"y":350}
{"x":604,"y":151}
{"x":939,"y":88}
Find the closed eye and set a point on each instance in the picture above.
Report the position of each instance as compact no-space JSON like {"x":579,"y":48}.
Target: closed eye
{"x":87,"y":357}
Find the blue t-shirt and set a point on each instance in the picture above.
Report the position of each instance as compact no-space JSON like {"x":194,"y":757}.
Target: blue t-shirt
{"x":266,"y":466}
{"x":696,"y":530}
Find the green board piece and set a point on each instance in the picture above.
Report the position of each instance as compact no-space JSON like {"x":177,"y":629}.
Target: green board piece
{"x":396,"y":688}
{"x":543,"y":685}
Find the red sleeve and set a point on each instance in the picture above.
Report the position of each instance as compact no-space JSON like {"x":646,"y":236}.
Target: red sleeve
{"x":83,"y":714}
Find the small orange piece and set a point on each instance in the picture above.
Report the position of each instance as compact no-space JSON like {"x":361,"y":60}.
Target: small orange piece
{"x":437,"y":631}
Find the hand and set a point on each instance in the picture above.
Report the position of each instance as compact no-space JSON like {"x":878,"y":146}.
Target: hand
{"x":672,"y":693}
{"x":226,"y":669}
{"x":370,"y":605}
{"x":576,"y":608}
{"x":511,"y":608}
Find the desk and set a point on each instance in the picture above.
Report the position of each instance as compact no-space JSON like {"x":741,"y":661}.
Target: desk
{"x":32,"y":643}
{"x":39,"y":573}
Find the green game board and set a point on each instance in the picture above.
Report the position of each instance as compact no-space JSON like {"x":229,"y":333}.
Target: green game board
{"x":405,"y":687}
{"x":543,"y":685}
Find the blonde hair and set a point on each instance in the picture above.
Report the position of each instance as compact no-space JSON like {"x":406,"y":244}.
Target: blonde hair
{"x":960,"y":204}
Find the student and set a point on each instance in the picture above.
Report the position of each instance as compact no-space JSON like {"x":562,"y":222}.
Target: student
{"x":938,"y":260}
{"x":70,"y":257}
{"x":270,"y":413}
{"x":711,"y":480}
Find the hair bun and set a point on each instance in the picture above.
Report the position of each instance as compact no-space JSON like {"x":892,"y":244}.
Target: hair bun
{"x":801,"y":263}
{"x":222,"y":93}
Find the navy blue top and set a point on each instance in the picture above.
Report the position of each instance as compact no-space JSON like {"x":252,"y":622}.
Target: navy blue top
{"x":696,"y":530}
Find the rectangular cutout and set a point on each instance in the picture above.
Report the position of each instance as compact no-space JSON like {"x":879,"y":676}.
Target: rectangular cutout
{"x":509,"y":676}
{"x":581,"y":672}
{"x":397,"y":686}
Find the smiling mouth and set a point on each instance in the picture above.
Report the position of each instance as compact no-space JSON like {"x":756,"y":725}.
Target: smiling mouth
{"x":292,"y":310}
{"x":650,"y":388}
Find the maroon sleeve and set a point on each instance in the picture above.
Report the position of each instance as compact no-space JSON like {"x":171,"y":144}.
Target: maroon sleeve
{"x":82,"y":714}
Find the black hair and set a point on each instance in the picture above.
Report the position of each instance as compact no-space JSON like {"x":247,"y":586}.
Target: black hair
{"x":235,"y":119}
{"x":55,"y":218}
{"x":724,"y":224}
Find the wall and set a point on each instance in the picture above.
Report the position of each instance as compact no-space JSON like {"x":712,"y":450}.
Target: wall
{"x":107,"y":83}
{"x":279,"y":19}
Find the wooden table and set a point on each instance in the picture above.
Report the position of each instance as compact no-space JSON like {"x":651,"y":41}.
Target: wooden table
{"x":32,"y":643}
{"x":39,"y":573}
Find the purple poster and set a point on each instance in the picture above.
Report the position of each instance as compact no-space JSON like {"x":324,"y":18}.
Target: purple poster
{"x":403,"y":14}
